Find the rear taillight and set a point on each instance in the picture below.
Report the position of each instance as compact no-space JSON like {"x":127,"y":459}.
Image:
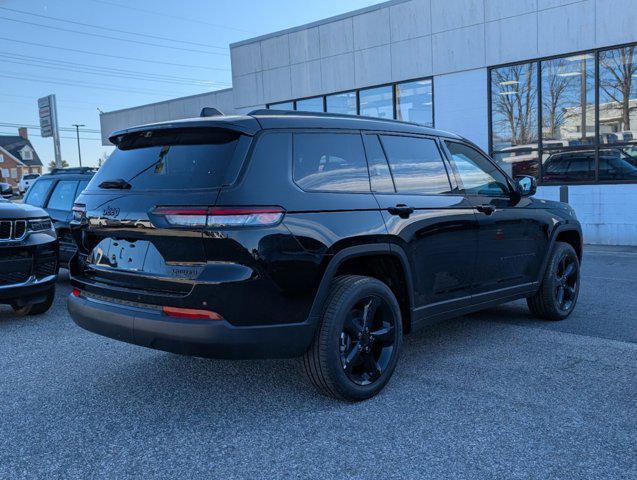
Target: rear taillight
{"x":79,"y":211}
{"x":191,"y":313}
{"x":219,"y":217}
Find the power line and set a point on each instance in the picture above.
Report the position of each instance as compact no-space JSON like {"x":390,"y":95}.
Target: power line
{"x":110,"y":37}
{"x":38,"y":135}
{"x":71,"y":83}
{"x":104,"y":72}
{"x":30,"y":97}
{"x":128,"y":32}
{"x":185,"y":19}
{"x":27,"y":125}
{"x":119,"y":57}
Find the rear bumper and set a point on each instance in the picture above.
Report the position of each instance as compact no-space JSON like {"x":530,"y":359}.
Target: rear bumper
{"x":204,"y":338}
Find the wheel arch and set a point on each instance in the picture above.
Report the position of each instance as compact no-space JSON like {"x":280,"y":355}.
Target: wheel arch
{"x":568,"y":233}
{"x":363,"y":259}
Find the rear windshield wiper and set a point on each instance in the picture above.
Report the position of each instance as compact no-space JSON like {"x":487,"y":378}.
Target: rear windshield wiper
{"x":118,"y":183}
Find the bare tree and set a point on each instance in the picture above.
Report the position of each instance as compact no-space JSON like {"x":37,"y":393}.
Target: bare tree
{"x":617,"y":70}
{"x":514,"y":93}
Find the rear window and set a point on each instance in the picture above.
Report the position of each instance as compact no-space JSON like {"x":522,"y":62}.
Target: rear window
{"x":30,"y":176}
{"x":175,"y":160}
{"x":330,"y":162}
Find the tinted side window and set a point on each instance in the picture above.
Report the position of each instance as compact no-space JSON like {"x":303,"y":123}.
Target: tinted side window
{"x":416,"y":165}
{"x":63,"y":195}
{"x":38,"y":193}
{"x":478,"y":175}
{"x":332,"y":162}
{"x":379,"y":174}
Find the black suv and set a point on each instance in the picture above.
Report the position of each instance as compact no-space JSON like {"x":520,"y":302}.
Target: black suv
{"x":55,"y":192}
{"x":283,"y":234}
{"x":28,"y":258}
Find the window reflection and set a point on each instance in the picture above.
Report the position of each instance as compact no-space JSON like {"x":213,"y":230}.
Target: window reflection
{"x":514,"y":106}
{"x":569,"y":166}
{"x":310,"y":104}
{"x":282,"y":106}
{"x":377,"y":102}
{"x":568,"y":100}
{"x":414,"y":102}
{"x":344,"y":103}
{"x":618,"y":95}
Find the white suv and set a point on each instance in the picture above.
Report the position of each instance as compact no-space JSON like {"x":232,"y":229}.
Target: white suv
{"x":26,"y":181}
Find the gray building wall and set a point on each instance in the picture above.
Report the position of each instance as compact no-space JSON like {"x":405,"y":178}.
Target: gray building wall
{"x":184,"y":107}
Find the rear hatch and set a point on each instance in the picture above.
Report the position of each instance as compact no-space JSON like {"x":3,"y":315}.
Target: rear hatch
{"x":139,"y":223}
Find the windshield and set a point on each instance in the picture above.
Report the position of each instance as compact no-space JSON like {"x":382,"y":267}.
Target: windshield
{"x":175,"y":160}
{"x":30,"y":176}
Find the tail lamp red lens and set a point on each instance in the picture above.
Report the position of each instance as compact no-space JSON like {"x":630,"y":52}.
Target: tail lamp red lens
{"x":191,"y":313}
{"x":76,"y":292}
{"x":220,"y":217}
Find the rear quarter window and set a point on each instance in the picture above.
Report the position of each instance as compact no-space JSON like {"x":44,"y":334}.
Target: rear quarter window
{"x":330,"y":162}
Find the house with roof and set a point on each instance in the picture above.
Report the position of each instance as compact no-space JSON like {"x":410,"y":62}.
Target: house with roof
{"x":17,"y":157}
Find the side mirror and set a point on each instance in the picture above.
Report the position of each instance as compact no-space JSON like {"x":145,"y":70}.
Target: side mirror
{"x":526,"y":186}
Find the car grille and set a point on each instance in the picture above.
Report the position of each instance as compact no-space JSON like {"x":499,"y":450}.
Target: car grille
{"x":44,"y":269}
{"x":12,"y":229}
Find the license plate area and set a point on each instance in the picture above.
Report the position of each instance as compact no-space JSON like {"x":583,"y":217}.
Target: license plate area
{"x":119,"y":254}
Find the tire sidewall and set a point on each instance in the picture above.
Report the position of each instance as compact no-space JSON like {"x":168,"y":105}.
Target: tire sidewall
{"x":358,"y":290}
{"x":561,"y":249}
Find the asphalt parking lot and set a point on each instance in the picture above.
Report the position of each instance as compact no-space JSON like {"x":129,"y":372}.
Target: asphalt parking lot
{"x":491,"y":395}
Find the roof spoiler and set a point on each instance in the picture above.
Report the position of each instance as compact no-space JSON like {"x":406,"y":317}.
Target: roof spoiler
{"x":210,"y":112}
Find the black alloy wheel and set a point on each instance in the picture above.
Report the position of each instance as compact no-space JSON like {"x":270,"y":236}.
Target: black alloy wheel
{"x":557,"y":296}
{"x":368,"y":340}
{"x":566,"y":278}
{"x":358,"y":340}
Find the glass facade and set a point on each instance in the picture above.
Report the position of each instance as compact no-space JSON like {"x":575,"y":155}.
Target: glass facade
{"x":377,"y":102}
{"x":344,"y":103}
{"x":310,"y":104}
{"x":414,"y":102}
{"x":410,"y":101}
{"x":568,"y":119}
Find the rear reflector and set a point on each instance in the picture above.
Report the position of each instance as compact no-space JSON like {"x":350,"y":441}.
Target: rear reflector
{"x":191,"y":313}
{"x":76,"y":292}
{"x":221,"y":216}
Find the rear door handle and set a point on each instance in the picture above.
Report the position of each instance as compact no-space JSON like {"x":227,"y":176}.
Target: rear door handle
{"x":486,"y":209}
{"x":402,"y":210}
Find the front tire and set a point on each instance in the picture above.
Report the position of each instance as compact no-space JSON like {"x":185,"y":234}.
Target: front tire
{"x":358,"y":340}
{"x":37,"y":308}
{"x":557,"y":296}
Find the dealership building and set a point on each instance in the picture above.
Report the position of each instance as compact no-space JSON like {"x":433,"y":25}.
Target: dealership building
{"x":547,"y":87}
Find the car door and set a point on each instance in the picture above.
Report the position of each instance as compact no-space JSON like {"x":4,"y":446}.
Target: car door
{"x":512,"y":237}
{"x":426,"y":216}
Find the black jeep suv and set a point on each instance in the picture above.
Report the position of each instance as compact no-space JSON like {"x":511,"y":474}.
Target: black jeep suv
{"x":28,"y":258}
{"x":329,"y":237}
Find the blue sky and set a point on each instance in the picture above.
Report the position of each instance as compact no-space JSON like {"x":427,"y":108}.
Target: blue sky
{"x":203,"y":30}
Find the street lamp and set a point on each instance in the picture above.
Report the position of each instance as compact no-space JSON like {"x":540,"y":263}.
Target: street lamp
{"x":77,"y":131}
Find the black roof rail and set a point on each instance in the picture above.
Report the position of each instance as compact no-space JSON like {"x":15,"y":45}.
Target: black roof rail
{"x":300,"y":113}
{"x":73,"y":170}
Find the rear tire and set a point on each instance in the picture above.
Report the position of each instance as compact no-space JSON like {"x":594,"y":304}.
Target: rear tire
{"x":358,"y":341}
{"x":37,"y":308}
{"x":557,"y":296}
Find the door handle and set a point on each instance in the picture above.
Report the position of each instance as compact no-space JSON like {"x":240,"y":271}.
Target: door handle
{"x":402,"y":210}
{"x":486,"y":209}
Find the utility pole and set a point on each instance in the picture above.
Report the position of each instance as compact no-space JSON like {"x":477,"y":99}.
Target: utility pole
{"x":77,"y":131}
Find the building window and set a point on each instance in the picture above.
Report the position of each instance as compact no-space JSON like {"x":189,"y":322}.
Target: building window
{"x":344,"y":103}
{"x":410,"y":101}
{"x":310,"y":104}
{"x":282,"y":106}
{"x":26,"y":154}
{"x":377,"y":102}
{"x":414,"y":102}
{"x":588,"y":127}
